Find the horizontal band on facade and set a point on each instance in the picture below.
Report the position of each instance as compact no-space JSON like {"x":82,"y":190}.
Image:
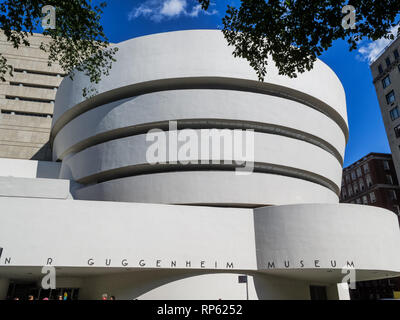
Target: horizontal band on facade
{"x":224,"y":205}
{"x":204,"y":124}
{"x":221,"y":83}
{"x":148,"y":169}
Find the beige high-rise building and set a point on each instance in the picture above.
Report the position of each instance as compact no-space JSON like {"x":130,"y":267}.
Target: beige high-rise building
{"x":27,"y":101}
{"x":386,"y":74}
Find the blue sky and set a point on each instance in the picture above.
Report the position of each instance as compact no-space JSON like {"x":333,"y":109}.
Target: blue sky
{"x":125,"y":19}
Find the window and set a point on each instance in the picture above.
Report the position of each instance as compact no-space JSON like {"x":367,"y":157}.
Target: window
{"x":355,"y":187}
{"x":364,"y":200}
{"x":396,"y":209}
{"x":366,"y":168}
{"x":29,"y":114}
{"x":369,"y":180}
{"x":38,"y":72}
{"x":361,"y":183}
{"x":372,"y":197}
{"x":390,"y":98}
{"x":387,"y":60}
{"x":349,"y":190}
{"x":344,"y":193}
{"x":396,"y":53}
{"x":29,"y":85}
{"x":397,"y":131}
{"x":347,"y":178}
{"x":389,"y":179}
{"x":380,"y":69}
{"x":358,"y":201}
{"x":394,"y":113}
{"x":386,"y":81}
{"x":30,"y":99}
{"x":392,"y":195}
{"x":386,"y":165}
{"x":353,"y":175}
{"x":358,"y":171}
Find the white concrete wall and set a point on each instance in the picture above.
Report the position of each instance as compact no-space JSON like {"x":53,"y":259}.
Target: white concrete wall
{"x":19,"y":168}
{"x":202,"y":53}
{"x":269,"y":149}
{"x":209,"y":187}
{"x":83,"y":230}
{"x":35,"y":188}
{"x":303,"y":163}
{"x":158,"y":234}
{"x":198,"y":104}
{"x":301,"y":124}
{"x":342,"y":232}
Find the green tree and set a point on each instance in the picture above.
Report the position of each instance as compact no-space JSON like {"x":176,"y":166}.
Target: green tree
{"x":295,"y":32}
{"x":77,"y":42}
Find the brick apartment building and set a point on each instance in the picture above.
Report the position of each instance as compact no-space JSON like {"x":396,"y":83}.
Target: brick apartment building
{"x":372,"y":180}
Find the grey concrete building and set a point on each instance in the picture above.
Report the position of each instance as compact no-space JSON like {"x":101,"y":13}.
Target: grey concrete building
{"x":27,"y":101}
{"x":386,"y":74}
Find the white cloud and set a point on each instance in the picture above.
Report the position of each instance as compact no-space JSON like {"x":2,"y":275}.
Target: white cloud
{"x":139,"y":11}
{"x":197,"y":9}
{"x":157,"y":10}
{"x":371,"y":50}
{"x":173,"y":8}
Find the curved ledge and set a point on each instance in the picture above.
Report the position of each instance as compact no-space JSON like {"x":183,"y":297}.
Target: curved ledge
{"x":212,"y":187}
{"x":260,"y":148}
{"x":203,"y":124}
{"x":148,"y":169}
{"x":197,"y":83}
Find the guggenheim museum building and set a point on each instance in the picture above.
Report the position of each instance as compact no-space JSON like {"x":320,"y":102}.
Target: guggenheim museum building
{"x":132,"y":203}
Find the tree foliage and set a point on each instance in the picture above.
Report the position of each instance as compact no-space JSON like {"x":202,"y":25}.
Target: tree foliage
{"x":295,"y":32}
{"x":77,"y":41}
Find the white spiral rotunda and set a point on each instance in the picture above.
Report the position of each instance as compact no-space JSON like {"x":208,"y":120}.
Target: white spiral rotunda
{"x":178,"y":230}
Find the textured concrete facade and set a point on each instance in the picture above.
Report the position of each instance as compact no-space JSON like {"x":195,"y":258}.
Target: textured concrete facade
{"x":27,"y":101}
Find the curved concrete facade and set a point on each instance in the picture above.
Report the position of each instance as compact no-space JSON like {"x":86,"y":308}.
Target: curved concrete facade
{"x":152,"y":251}
{"x":300,"y":126}
{"x":262,"y":112}
{"x":210,"y":188}
{"x":153,"y":216}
